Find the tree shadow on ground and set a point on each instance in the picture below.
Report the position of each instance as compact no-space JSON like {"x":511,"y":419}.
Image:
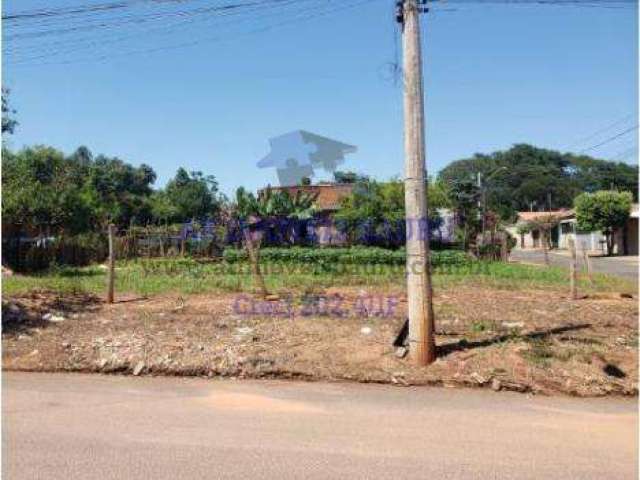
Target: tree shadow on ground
{"x":19,"y":315}
{"x":446,"y":349}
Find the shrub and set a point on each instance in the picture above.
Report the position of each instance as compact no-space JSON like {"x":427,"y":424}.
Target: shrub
{"x":349,"y":256}
{"x":78,"y":250}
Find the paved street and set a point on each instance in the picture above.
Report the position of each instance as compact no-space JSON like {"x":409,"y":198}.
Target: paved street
{"x":626,"y":267}
{"x":59,"y":426}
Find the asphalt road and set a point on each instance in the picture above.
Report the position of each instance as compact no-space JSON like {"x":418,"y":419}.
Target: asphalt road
{"x":625,"y":267}
{"x":58,"y":426}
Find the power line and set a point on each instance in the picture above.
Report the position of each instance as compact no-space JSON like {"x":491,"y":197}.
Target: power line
{"x":601,"y":131}
{"x":35,"y":36}
{"x":610,"y":139}
{"x":625,"y":154}
{"x":245,"y":10}
{"x":569,"y":3}
{"x":304,"y":10}
{"x":76,"y":44}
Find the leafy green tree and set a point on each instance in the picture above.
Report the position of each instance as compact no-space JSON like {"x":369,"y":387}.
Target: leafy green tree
{"x":256,"y":213}
{"x":279,"y":215}
{"x":605,"y":210}
{"x":439,"y":194}
{"x":465,"y":195}
{"x":341,"y":177}
{"x":544,"y":224}
{"x":117,"y":191}
{"x":162,"y":209}
{"x":193,"y":195}
{"x":374,"y":214}
{"x":9,"y":123}
{"x":41,"y":189}
{"x":526,"y":176}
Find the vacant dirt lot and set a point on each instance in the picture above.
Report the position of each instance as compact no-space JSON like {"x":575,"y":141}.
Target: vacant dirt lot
{"x":531,"y":342}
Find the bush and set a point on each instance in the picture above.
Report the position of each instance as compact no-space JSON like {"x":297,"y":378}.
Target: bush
{"x":349,"y":256}
{"x":78,"y":251}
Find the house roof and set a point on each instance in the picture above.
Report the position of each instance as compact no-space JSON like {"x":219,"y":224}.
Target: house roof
{"x":329,"y":195}
{"x":531,"y":216}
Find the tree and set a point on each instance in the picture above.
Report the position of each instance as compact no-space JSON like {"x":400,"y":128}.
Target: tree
{"x":605,"y":210}
{"x":9,"y":123}
{"x":117,"y":191}
{"x":42,"y":190}
{"x":254,"y":214}
{"x":348,"y":177}
{"x":439,"y":194}
{"x":162,"y":209}
{"x":522,"y":228}
{"x":530,"y":176}
{"x":374,"y":214}
{"x":193,"y":195}
{"x":465,"y":195}
{"x":544,"y":223}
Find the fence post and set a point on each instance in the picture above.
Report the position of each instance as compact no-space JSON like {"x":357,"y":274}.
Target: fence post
{"x":587,"y":261}
{"x":573,"y":270}
{"x":504,"y":247}
{"x":112,"y":264}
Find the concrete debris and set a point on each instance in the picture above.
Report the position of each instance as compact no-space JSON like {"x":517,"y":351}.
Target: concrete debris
{"x":478,"y":378}
{"x":401,"y":352}
{"x":50,"y":317}
{"x":138,"y":368}
{"x":513,"y":324}
{"x":496,"y":384}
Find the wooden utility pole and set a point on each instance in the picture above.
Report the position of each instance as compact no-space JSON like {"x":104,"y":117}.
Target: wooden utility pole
{"x":112,"y":264}
{"x":419,"y":290}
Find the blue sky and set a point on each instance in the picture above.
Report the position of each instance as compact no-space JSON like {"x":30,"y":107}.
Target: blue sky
{"x":495,"y":75}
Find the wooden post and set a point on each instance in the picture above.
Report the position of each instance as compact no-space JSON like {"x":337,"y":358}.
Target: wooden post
{"x":112,"y":264}
{"x":419,"y":289}
{"x":504,"y":247}
{"x":587,"y":262}
{"x":254,"y":260}
{"x":573,"y":271}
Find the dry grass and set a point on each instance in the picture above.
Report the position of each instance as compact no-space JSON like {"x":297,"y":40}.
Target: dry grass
{"x":535,"y":340}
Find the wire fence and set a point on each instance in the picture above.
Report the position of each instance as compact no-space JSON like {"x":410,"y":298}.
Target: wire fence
{"x":31,"y":253}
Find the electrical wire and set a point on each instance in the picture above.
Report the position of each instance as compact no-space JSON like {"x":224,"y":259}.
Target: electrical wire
{"x":306,"y":10}
{"x":610,"y":139}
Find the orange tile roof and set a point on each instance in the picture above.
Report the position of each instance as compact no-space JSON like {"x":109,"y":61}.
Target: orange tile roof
{"x":529,"y":216}
{"x":329,"y":195}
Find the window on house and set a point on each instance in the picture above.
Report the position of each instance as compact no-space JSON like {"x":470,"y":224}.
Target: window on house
{"x":566,"y":228}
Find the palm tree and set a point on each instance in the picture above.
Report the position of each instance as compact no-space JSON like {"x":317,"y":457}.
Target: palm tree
{"x":252,"y":211}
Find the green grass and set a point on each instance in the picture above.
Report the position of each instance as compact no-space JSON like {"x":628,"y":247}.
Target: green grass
{"x":156,"y":276}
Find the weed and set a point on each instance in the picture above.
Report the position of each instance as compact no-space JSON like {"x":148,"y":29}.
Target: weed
{"x":539,"y":352}
{"x":479,"y":326}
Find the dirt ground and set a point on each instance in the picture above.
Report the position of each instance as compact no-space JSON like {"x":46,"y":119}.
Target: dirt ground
{"x":536,"y":341}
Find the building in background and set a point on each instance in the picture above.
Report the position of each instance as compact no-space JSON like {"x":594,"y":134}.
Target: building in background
{"x":328,"y":199}
{"x":625,"y":238}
